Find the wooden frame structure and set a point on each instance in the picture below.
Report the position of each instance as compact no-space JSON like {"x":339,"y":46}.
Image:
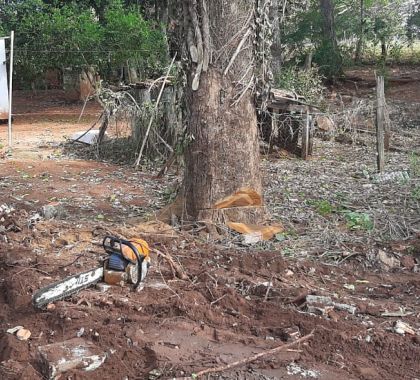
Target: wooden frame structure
{"x":290,"y":120}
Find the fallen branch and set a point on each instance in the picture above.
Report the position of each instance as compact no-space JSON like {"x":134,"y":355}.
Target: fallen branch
{"x":83,"y":108}
{"x":179,"y":271}
{"x":167,"y":165}
{"x":247,"y":360}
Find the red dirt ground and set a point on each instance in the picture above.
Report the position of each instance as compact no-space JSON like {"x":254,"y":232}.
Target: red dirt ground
{"x":225,"y":312}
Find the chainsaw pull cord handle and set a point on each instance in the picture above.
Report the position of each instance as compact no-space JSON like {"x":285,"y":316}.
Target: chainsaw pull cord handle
{"x":111,"y":249}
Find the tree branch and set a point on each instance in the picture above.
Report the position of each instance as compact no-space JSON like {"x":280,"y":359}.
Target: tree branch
{"x":238,"y":49}
{"x":247,"y":360}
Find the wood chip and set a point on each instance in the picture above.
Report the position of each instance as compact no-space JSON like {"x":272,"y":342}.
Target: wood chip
{"x":23,"y":334}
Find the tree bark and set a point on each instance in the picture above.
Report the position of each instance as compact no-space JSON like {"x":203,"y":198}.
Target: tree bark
{"x":361,"y":32}
{"x":330,"y":38}
{"x":223,"y":153}
{"x":384,"y":51}
{"x":162,"y":13}
{"x":276,"y":46}
{"x":327,"y":11}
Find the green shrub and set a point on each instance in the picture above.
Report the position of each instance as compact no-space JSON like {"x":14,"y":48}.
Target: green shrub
{"x":57,"y":35}
{"x":322,"y":206}
{"x":308,"y":83}
{"x":416,"y":193}
{"x":329,"y":60}
{"x":415,"y":164}
{"x":358,"y":221}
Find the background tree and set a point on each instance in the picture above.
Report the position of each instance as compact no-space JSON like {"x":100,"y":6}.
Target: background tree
{"x":329,"y":52}
{"x":413,"y":24}
{"x":276,"y":16}
{"x":359,"y":45}
{"x":106,"y":35}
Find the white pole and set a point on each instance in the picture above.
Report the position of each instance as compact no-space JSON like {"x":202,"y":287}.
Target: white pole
{"x":12,"y":41}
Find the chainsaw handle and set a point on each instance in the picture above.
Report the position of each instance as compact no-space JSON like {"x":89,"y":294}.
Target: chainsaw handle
{"x":110,"y":247}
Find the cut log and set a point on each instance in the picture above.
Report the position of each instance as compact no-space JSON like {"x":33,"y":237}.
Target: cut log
{"x":266,"y":232}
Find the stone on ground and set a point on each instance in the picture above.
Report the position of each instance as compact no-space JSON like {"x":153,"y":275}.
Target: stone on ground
{"x":77,"y":353}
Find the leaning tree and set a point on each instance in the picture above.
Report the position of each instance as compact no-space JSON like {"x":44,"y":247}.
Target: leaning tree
{"x":227,"y":49}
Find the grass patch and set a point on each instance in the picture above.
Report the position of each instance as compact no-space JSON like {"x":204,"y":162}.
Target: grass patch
{"x":415,"y":164}
{"x":322,"y":206}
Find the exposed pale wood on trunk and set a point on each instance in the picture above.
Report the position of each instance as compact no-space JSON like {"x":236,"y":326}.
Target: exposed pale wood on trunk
{"x":243,"y":197}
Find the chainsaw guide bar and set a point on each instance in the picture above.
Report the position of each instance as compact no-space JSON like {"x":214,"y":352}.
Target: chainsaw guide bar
{"x":67,"y":287}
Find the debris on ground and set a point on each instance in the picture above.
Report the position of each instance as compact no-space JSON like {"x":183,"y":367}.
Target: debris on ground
{"x":322,"y":305}
{"x":20,"y":332}
{"x":77,"y":353}
{"x":255,"y":233}
{"x":295,"y":369}
{"x":14,"y":330}
{"x":23,"y":334}
{"x":401,"y":176}
{"x":396,"y":314}
{"x":403,"y":328}
{"x":388,"y":260}
{"x":53,"y":210}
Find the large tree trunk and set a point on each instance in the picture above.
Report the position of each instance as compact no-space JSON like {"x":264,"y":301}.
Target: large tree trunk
{"x":223,"y":153}
{"x":276,"y":8}
{"x":162,"y":12}
{"x":384,"y":51}
{"x":328,"y":21}
{"x":330,"y":38}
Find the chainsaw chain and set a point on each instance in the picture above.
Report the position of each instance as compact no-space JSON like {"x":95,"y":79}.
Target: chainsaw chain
{"x":63,"y":295}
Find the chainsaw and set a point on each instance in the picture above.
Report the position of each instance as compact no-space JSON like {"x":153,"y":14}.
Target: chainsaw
{"x":127,"y":262}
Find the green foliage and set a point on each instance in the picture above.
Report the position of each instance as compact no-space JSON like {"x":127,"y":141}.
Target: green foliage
{"x":329,"y":60}
{"x":55,"y":35}
{"x":392,"y":23}
{"x":415,"y":164}
{"x":322,"y":206}
{"x":308,"y":83}
{"x":131,"y":38}
{"x":413,"y":26}
{"x":415,"y":194}
{"x":358,"y":221}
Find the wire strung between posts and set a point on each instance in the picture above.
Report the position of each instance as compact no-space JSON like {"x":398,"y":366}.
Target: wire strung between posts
{"x":80,"y":51}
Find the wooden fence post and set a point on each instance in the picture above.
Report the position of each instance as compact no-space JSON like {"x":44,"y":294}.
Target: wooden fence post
{"x":305,"y":136}
{"x":380,"y":122}
{"x":311,"y":135}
